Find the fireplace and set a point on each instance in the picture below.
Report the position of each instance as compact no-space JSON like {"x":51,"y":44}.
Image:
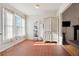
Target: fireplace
{"x":76,"y":32}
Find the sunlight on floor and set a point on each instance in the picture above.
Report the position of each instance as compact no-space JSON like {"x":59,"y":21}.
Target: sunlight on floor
{"x":42,"y":43}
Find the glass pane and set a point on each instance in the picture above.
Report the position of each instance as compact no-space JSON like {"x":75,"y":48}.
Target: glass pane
{"x":23,"y":31}
{"x":18,"y":21}
{"x":8,"y":25}
{"x":23,"y":26}
{"x":18,"y":32}
{"x":9,"y":18}
{"x":8,"y":32}
{"x":23,"y":22}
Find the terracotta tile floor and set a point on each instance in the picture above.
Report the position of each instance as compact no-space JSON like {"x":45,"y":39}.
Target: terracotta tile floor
{"x":35,"y":48}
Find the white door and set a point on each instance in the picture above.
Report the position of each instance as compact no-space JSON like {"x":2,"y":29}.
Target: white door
{"x":54,"y":28}
{"x":51,"y":29}
{"x":47,"y":29}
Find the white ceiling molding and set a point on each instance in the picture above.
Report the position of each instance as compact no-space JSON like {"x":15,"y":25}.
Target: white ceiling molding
{"x":44,"y":8}
{"x":64,"y":7}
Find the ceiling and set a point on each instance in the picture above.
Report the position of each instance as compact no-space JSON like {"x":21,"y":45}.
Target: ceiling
{"x":44,"y":8}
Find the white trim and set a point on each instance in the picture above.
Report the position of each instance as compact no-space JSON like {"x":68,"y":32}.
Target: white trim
{"x":64,"y":7}
{"x":9,"y":45}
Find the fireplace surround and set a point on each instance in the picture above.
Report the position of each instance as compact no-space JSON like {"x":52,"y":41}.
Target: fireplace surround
{"x":76,"y":28}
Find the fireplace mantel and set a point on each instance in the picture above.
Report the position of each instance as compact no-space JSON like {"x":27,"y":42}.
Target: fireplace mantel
{"x":76,"y":27}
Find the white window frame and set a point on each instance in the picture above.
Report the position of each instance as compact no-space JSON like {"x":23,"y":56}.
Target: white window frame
{"x":4,"y":26}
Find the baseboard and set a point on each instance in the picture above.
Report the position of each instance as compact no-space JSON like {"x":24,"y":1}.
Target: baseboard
{"x":7,"y":46}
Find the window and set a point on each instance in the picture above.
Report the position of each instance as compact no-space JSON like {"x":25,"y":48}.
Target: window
{"x":8,"y":25}
{"x":23,"y":27}
{"x":13,"y":26}
{"x":18,"y":25}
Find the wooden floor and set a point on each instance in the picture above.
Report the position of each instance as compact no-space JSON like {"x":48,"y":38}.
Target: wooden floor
{"x":71,"y":49}
{"x":35,"y":48}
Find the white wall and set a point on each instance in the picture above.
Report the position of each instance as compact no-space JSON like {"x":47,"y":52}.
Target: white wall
{"x":71,"y":14}
{"x":30,"y":24}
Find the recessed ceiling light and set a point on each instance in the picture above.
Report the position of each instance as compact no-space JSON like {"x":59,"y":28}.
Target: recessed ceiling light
{"x":36,"y":6}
